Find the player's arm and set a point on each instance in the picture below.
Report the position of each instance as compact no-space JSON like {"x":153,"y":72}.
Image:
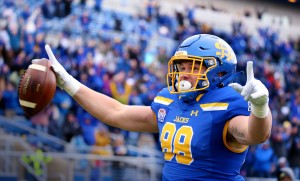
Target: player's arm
{"x":112,"y":112}
{"x":250,"y":130}
{"x":102,"y":107}
{"x":256,"y":128}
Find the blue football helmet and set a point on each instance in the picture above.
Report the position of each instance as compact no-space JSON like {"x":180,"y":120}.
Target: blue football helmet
{"x":205,"y":50}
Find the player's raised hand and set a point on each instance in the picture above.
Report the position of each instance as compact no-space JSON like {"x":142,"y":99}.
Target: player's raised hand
{"x":61,"y":74}
{"x":254,"y":90}
{"x":63,"y":78}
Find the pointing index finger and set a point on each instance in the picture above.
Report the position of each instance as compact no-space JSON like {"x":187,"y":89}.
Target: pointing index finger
{"x":250,"y":74}
{"x":50,"y":54}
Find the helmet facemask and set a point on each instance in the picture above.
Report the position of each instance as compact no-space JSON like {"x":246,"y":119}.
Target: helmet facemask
{"x":197,"y":66}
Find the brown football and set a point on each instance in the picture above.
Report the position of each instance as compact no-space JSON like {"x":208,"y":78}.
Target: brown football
{"x":37,"y":87}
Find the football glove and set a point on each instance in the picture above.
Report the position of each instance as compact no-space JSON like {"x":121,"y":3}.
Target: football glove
{"x":63,"y":79}
{"x":255,"y":92}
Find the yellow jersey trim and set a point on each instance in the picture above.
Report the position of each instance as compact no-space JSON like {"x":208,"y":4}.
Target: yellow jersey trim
{"x":235,"y":150}
{"x":216,"y":106}
{"x":163,"y":100}
{"x":199,"y":97}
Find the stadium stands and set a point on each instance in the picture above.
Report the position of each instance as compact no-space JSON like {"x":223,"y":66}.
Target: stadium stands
{"x":128,"y":43}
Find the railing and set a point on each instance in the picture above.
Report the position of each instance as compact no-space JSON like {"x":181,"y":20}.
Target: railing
{"x":18,"y":123}
{"x":151,"y":165}
{"x":7,"y":144}
{"x":147,"y":163}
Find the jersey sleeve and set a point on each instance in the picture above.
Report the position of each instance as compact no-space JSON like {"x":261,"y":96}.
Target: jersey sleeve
{"x":154,"y":104}
{"x":162,"y":98}
{"x":238,"y":106}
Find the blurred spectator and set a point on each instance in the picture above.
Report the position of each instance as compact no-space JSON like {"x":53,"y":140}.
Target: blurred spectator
{"x":280,"y":137}
{"x":70,"y":127}
{"x":39,"y":43}
{"x":118,"y":24}
{"x":264,"y":160}
{"x":106,"y":85}
{"x":286,"y":174}
{"x":64,"y":104}
{"x":281,"y":163}
{"x":9,"y":97}
{"x":102,"y":141}
{"x":37,"y":162}
{"x":247,"y":168}
{"x":150,"y":9}
{"x":162,"y":56}
{"x":78,"y":145}
{"x":179,"y":17}
{"x":2,"y":88}
{"x":190,"y":9}
{"x":32,"y":22}
{"x":98,"y":5}
{"x":146,"y":141}
{"x":14,"y":32}
{"x":294,"y":153}
{"x":85,"y":21}
{"x":60,"y":8}
{"x":48,"y":9}
{"x":121,"y":88}
{"x":88,"y":125}
{"x":135,"y":98}
{"x":118,"y":143}
{"x":68,"y":7}
{"x":83,"y":3}
{"x":54,"y":127}
{"x":40,"y":121}
{"x":295,"y":108}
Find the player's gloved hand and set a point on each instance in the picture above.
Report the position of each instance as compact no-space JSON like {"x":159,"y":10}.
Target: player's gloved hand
{"x":255,"y":92}
{"x":63,"y":79}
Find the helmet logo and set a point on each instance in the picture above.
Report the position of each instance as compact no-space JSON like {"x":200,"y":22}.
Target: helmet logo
{"x":179,"y":53}
{"x":225,"y":51}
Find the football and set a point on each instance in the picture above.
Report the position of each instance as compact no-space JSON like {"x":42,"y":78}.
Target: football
{"x":37,"y":87}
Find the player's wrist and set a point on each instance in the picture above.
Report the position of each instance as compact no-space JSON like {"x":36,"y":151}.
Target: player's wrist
{"x":71,"y":86}
{"x":260,"y":111}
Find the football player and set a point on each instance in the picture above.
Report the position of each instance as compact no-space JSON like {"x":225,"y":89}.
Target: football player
{"x":205,"y":121}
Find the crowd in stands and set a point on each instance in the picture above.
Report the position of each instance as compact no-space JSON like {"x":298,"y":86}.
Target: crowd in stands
{"x":119,"y":54}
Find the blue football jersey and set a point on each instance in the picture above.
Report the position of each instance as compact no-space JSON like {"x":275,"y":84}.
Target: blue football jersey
{"x":192,"y":135}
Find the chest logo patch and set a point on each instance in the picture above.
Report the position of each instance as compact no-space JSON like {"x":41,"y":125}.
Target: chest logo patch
{"x":161,"y":115}
{"x":194,"y":113}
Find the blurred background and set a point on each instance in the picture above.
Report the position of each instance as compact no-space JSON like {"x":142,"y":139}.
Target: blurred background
{"x":121,"y":48}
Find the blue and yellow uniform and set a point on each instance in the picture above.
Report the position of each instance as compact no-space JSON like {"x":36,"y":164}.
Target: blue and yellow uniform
{"x":193,"y":135}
